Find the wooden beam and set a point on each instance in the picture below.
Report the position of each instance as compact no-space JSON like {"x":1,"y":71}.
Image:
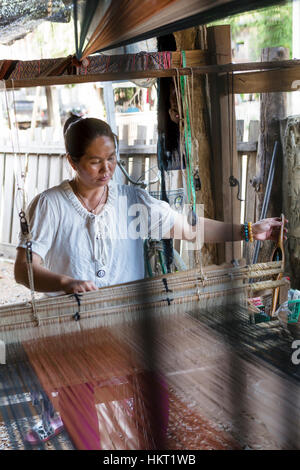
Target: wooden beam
{"x":275,"y":76}
{"x":281,"y":80}
{"x":246,"y":147}
{"x":194,"y":58}
{"x":223,"y":129}
{"x":99,"y":77}
{"x":246,"y":66}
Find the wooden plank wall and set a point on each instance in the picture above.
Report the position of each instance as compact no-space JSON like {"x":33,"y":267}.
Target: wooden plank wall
{"x":249,"y":149}
{"x":44,"y":171}
{"x":49,"y":167}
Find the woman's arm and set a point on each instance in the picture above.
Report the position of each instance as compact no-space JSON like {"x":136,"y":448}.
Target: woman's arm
{"x":45,"y":280}
{"x":214,"y":231}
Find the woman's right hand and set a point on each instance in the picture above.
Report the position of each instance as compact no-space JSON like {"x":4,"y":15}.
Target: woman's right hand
{"x":74,"y":286}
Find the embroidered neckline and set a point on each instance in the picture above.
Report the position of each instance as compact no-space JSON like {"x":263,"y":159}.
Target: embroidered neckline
{"x":110,"y":202}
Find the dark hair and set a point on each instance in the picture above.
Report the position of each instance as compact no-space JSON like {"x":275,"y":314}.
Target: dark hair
{"x":80,"y":132}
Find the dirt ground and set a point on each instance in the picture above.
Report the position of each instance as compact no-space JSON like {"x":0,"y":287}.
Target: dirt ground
{"x":10,"y":291}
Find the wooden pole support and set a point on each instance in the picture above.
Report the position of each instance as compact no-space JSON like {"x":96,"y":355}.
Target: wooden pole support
{"x":223,"y":125}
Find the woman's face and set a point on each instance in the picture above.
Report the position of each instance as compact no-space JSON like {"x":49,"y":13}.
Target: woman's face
{"x":96,"y":167}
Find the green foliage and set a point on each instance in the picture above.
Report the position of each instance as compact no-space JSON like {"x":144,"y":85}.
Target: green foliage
{"x":54,"y":39}
{"x":267,"y":27}
{"x":123,"y":95}
{"x":274,"y":27}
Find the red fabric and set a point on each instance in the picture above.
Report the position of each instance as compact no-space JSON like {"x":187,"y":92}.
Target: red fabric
{"x":93,"y":368}
{"x":147,"y":421}
{"x":79,"y":415}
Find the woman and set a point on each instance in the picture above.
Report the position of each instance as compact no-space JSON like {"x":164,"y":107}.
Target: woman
{"x":88,"y":232}
{"x":79,"y":227}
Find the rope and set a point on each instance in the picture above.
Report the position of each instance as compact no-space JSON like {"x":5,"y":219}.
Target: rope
{"x":231,"y":145}
{"x":230,"y":157}
{"x":21,"y":177}
{"x":20,"y":195}
{"x":188,"y":134}
{"x":183,"y":125}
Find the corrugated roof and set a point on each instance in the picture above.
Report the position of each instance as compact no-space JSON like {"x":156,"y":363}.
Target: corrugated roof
{"x":20,"y":17}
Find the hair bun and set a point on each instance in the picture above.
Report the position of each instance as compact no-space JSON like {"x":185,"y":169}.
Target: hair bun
{"x":70,"y":120}
{"x":80,"y":132}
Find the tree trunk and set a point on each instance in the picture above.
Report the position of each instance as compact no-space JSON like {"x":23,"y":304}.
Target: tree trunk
{"x":291,"y":194}
{"x":53,"y":107}
{"x":272,"y":110}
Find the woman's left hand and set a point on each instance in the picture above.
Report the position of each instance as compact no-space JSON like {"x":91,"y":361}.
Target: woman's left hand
{"x":268,"y":229}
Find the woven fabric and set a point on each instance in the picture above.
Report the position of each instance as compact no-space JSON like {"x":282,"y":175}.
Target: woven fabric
{"x":142,"y":61}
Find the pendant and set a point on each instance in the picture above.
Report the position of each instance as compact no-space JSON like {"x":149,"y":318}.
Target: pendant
{"x":101,"y":273}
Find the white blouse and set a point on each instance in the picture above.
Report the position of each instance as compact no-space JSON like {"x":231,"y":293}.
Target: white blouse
{"x":106,"y":248}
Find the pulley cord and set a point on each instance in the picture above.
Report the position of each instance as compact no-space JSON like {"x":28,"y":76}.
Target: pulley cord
{"x":20,"y":178}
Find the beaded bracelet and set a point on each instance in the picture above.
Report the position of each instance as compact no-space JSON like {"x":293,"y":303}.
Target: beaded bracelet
{"x":250,"y":232}
{"x":245,"y":232}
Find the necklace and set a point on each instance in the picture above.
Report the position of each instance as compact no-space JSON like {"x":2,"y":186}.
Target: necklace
{"x":85,"y":205}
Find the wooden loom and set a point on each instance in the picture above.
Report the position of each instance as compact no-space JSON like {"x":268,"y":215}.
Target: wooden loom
{"x":174,"y":303}
{"x":158,"y":317}
{"x":214,"y":285}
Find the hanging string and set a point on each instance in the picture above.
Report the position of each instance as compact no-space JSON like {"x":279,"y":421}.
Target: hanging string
{"x":230,"y":104}
{"x":195,"y":154}
{"x":20,"y":176}
{"x":184,"y":103}
{"x":20,"y":179}
{"x":188,"y":136}
{"x":183,"y":123}
{"x":232,"y":157}
{"x":176,"y":81}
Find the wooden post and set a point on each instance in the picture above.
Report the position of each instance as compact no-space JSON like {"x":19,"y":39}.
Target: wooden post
{"x":223,"y":130}
{"x":109,"y":102}
{"x":49,"y":99}
{"x":240,"y":131}
{"x":272,"y":110}
{"x":53,"y":107}
{"x":34,"y":112}
{"x":290,"y":134}
{"x":250,"y":197}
